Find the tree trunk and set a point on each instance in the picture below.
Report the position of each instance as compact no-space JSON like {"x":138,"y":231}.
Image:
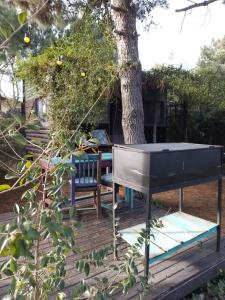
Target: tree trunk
{"x":124,"y":17}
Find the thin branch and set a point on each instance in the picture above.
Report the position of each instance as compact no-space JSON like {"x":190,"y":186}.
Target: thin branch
{"x":3,"y":45}
{"x":13,"y":157}
{"x":181,"y":27}
{"x":200,"y":4}
{"x":10,"y":146}
{"x":191,"y":1}
{"x":35,"y":145}
{"x":6,"y":167}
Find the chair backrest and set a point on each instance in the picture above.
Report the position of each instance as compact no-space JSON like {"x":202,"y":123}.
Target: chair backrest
{"x":88,"y":168}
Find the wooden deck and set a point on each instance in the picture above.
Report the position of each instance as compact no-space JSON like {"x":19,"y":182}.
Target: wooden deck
{"x":172,"y":278}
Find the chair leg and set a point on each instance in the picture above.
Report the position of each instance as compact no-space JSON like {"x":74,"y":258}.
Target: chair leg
{"x":98,"y":206}
{"x":94,"y":197}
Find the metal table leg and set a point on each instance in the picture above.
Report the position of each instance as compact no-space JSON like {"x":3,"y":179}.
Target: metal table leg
{"x":147,"y":243}
{"x":181,"y":200}
{"x":115,"y":226}
{"x":219,"y":208}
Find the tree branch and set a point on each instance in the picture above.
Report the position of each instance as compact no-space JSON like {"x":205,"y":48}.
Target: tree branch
{"x":200,"y":4}
{"x":4,"y":44}
{"x":118,"y":9}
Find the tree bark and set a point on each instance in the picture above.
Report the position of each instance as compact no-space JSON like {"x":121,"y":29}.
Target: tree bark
{"x":124,"y":17}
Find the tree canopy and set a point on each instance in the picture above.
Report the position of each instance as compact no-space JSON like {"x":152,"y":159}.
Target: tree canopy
{"x":211,"y":69}
{"x":74,"y":73}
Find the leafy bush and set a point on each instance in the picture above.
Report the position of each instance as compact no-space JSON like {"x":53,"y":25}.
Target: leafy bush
{"x":75,"y":74}
{"x":9,"y":148}
{"x":36,"y":273}
{"x":215,"y":289}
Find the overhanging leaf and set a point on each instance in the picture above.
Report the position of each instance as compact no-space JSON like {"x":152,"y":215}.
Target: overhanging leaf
{"x":61,"y":296}
{"x":18,"y":119}
{"x":33,"y":126}
{"x":11,"y":176}
{"x":4,"y":187}
{"x":80,"y":154}
{"x":9,"y":250}
{"x":94,"y":141}
{"x":33,"y":233}
{"x":28,"y":164}
{"x":22,"y":17}
{"x":19,"y":138}
{"x":86,"y":269}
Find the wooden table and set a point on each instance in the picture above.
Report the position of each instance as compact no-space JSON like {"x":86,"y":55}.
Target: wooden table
{"x":48,"y":165}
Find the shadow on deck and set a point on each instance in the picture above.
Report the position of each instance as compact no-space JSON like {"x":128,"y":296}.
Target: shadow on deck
{"x":173,"y":278}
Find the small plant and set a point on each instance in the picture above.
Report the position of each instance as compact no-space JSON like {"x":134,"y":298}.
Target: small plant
{"x":124,"y":273}
{"x":36,"y":273}
{"x":215,"y":289}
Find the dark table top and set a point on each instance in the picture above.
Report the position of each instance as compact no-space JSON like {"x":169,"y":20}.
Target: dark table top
{"x":159,"y":147}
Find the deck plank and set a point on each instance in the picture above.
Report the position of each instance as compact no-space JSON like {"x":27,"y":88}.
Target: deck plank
{"x":174,"y":276}
{"x":166,"y":280}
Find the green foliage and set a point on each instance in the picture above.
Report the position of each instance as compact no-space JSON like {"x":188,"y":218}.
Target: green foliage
{"x":215,"y":289}
{"x":42,"y":272}
{"x":213,"y":57}
{"x":145,"y":7}
{"x":204,"y":85}
{"x":198,"y":96}
{"x":83,"y":77}
{"x":9,"y":128}
{"x":207,"y":126}
{"x":8,"y":23}
{"x":211,"y":68}
{"x":125,"y":268}
{"x":22,"y":17}
{"x":180,"y":84}
{"x":10,"y":20}
{"x":4,"y":187}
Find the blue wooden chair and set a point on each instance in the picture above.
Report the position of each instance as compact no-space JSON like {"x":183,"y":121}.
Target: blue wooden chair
{"x":87,"y":178}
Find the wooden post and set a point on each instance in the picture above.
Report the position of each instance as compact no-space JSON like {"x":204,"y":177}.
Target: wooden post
{"x":147,"y":243}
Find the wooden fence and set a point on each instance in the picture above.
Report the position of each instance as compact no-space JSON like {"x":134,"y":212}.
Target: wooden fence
{"x":40,"y":138}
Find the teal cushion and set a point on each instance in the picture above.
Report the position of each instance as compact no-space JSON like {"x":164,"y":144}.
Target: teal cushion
{"x":106,"y":179}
